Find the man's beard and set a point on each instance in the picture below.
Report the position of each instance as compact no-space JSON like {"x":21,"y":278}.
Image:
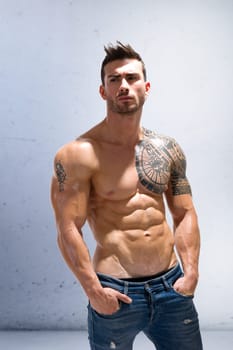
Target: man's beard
{"x":127,"y":107}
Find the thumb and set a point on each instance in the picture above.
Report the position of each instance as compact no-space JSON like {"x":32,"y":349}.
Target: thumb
{"x":124,"y":298}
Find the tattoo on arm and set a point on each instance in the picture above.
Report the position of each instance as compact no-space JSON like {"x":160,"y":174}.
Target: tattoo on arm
{"x":61,"y":175}
{"x":180,"y":186}
{"x":179,"y":181}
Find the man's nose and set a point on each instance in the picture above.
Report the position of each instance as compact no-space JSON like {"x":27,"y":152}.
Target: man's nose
{"x":124,"y":85}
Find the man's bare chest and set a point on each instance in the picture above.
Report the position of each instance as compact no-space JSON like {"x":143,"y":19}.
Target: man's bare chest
{"x":147,"y":167}
{"x":117,"y":177}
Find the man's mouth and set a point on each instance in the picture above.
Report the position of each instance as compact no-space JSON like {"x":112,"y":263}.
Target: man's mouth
{"x":124,"y":98}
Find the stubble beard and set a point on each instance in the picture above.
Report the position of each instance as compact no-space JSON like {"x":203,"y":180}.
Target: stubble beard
{"x":127,"y":107}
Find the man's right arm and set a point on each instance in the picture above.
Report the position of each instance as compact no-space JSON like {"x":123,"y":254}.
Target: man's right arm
{"x":70,"y":190}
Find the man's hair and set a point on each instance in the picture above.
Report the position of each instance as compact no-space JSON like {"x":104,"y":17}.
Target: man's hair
{"x":120,"y":52}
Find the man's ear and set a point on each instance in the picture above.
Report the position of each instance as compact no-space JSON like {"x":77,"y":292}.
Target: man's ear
{"x":102,"y":92}
{"x":147,"y":86}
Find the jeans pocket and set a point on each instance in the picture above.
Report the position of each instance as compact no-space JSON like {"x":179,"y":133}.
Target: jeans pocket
{"x":188,"y":296}
{"x":182,"y":295}
{"x":107,"y":315}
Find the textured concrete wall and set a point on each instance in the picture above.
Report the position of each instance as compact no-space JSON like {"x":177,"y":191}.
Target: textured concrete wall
{"x":50,"y":55}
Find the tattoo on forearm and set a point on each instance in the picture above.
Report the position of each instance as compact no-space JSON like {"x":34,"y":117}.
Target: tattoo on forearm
{"x":61,"y":175}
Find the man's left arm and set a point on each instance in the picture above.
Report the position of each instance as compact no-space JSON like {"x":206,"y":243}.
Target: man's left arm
{"x":186,"y":229}
{"x":187,"y":241}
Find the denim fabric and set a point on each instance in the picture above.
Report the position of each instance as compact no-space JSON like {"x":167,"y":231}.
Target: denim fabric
{"x":167,"y":318}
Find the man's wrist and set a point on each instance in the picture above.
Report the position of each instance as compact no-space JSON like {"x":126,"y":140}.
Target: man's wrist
{"x":191,"y":273}
{"x":94,"y":291}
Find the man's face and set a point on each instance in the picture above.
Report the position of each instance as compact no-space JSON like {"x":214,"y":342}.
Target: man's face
{"x":124,"y":89}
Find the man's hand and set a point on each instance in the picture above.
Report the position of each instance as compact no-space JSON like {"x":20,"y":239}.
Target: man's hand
{"x":185,"y":286}
{"x":108,"y":302}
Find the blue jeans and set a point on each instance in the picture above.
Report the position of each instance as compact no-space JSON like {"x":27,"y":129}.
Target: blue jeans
{"x":166,"y":317}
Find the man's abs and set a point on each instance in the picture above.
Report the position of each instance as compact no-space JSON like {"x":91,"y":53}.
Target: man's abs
{"x":143,"y":256}
{"x":133,"y":238}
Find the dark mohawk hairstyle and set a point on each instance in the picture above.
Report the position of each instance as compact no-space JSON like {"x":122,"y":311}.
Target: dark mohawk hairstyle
{"x":120,"y":52}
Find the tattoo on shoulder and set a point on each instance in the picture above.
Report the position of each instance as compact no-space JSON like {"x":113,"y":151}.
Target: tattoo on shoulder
{"x":148,"y":133}
{"x":61,"y":175}
{"x":160,"y":160}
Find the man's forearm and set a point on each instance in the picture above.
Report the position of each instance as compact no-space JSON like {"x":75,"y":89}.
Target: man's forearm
{"x":187,"y":241}
{"x":77,"y":257}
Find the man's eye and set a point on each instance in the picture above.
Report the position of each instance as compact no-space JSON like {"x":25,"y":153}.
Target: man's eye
{"x":113,"y":79}
{"x":132,"y":77}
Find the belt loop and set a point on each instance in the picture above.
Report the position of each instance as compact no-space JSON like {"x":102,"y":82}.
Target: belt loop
{"x":165,"y":283}
{"x":126,"y":287}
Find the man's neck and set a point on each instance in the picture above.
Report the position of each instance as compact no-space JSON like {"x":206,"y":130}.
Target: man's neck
{"x":123,"y":129}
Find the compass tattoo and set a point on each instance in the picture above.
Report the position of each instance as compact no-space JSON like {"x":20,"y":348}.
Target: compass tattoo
{"x":160,"y":162}
{"x":61,"y":175}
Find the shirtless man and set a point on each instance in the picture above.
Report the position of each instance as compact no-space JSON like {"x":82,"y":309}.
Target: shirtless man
{"x":116,"y":176}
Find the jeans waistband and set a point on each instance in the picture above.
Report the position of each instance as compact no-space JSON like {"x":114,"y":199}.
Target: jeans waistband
{"x":161,"y":281}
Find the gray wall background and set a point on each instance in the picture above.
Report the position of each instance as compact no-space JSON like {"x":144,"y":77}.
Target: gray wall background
{"x":50,"y":56}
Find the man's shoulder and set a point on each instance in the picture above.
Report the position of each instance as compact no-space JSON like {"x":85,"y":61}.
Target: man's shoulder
{"x":160,"y":139}
{"x":167,"y":145}
{"x":80,"y":152}
{"x":80,"y":145}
